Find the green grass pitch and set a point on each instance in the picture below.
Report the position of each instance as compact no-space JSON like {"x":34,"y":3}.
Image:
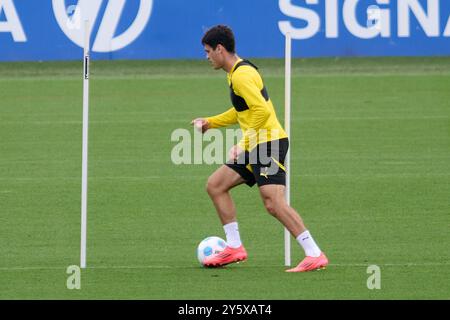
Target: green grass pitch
{"x":370,"y":176}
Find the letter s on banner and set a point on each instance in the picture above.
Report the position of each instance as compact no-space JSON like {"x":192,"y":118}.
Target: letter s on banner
{"x":311,"y":17}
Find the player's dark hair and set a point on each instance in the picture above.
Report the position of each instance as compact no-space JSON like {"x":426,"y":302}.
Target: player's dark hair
{"x":220,"y":34}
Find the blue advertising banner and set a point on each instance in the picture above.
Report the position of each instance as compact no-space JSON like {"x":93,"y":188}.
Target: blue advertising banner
{"x":171,"y":29}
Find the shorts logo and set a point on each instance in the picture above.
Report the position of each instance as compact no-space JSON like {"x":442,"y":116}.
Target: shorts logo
{"x":105,"y":40}
{"x":264,"y":172}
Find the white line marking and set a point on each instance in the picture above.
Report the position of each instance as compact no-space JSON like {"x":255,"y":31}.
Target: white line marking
{"x":191,"y":177}
{"x":302,"y":119}
{"x":142,"y":267}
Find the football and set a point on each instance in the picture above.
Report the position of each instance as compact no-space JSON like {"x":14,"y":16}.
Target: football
{"x":210,"y":246}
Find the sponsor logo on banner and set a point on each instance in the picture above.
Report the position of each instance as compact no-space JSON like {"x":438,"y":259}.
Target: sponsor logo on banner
{"x":69,"y":20}
{"x":377,"y":21}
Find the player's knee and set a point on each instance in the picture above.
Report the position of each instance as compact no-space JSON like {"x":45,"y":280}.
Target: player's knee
{"x":270,"y":206}
{"x":213,"y":186}
{"x":209,"y":186}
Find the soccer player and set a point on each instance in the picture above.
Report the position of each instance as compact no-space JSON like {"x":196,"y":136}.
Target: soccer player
{"x":257,"y":159}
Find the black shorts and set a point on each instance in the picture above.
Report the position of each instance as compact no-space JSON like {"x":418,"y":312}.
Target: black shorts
{"x":264,"y":164}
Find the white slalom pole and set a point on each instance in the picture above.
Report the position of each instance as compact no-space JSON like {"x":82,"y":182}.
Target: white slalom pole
{"x":84,"y":174}
{"x":287,"y":127}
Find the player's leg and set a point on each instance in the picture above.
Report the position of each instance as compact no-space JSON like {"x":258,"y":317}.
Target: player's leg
{"x":218,"y":188}
{"x":273,"y":196}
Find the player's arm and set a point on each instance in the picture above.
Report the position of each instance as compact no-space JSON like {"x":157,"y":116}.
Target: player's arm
{"x":245,"y":86}
{"x":227,"y":118}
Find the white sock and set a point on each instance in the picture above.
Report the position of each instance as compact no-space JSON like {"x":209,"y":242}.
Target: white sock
{"x":232,"y":233}
{"x":309,"y":245}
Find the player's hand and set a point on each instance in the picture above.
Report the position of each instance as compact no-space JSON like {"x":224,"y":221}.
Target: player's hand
{"x":234,"y":152}
{"x":200,"y":124}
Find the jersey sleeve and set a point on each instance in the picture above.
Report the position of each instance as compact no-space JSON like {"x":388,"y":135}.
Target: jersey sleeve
{"x":245,"y":84}
{"x":227,"y":118}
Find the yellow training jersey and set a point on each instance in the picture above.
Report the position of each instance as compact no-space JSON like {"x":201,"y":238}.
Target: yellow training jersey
{"x":252,"y":107}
